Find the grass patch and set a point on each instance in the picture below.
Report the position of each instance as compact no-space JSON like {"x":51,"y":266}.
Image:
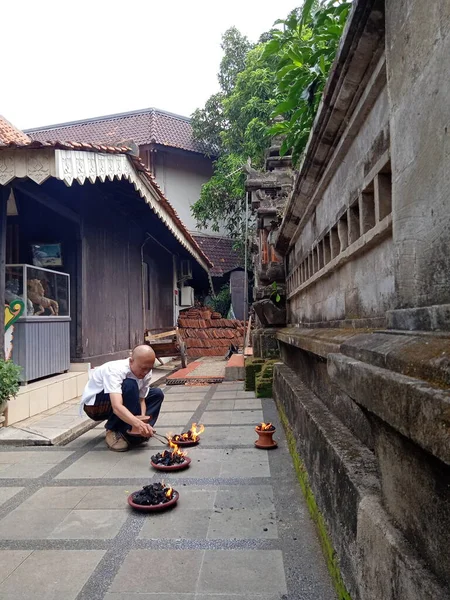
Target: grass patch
{"x":325,"y":542}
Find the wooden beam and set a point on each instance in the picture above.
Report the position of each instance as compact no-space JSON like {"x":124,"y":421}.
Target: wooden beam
{"x":4,"y":193}
{"x":51,"y":203}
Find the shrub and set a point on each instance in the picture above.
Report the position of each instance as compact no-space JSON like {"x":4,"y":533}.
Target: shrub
{"x":9,"y":379}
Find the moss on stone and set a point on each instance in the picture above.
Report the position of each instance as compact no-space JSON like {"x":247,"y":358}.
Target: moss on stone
{"x":252,"y":367}
{"x":325,"y":541}
{"x":264,"y":380}
{"x":263,"y":387}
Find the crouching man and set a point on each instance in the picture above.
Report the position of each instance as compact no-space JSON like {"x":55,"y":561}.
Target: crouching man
{"x":119,"y":391}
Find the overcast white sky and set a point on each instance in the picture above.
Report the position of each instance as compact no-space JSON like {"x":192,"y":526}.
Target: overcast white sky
{"x":63,"y":61}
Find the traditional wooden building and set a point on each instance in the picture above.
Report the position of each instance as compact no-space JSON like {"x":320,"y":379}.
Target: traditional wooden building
{"x":166,"y":145}
{"x":94,"y":249}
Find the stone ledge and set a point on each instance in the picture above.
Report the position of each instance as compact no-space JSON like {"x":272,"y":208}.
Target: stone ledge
{"x":341,"y":470}
{"x":419,"y":412}
{"x":429,"y":318}
{"x":375,"y":559}
{"x":420,"y":356}
{"x":318,"y":341}
{"x":388,"y":568}
{"x":425,"y":357}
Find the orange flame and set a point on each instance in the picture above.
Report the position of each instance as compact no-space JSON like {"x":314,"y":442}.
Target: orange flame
{"x":169,"y":493}
{"x":176,"y":449}
{"x":187,"y":436}
{"x":197,"y":430}
{"x":265,"y":426}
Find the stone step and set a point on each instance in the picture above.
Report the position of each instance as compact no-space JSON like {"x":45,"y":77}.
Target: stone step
{"x":54,"y":427}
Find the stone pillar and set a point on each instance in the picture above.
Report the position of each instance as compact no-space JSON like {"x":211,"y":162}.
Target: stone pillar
{"x":418,"y":61}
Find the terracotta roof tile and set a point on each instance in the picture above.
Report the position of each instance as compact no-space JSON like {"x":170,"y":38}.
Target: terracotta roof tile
{"x":10,"y":134}
{"x":147,"y":126}
{"x":221,"y":253}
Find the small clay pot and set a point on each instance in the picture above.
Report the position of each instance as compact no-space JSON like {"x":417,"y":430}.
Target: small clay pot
{"x":265,"y":441}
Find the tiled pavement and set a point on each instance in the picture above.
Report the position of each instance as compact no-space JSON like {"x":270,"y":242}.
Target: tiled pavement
{"x":240,"y":531}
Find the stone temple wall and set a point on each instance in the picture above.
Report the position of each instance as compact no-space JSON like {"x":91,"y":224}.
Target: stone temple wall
{"x":365,"y":379}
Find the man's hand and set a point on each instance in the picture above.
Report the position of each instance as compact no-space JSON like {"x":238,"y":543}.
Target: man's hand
{"x":141,"y":428}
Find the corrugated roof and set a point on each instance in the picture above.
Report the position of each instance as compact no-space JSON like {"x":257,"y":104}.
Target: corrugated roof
{"x":221,"y":253}
{"x":147,"y":126}
{"x":10,"y":134}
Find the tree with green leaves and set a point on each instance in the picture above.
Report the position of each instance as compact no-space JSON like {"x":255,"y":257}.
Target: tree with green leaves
{"x":305,"y":48}
{"x":284,"y":74}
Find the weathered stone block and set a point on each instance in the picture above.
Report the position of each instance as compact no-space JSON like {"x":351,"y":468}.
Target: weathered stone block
{"x":265,"y":344}
{"x":387,"y":569}
{"x":341,"y":470}
{"x":416,"y":493}
{"x":410,"y":406}
{"x":269,"y":313}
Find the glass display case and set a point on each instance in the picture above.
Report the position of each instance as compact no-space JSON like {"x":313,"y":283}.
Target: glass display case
{"x":41,"y":343}
{"x":45,"y":293}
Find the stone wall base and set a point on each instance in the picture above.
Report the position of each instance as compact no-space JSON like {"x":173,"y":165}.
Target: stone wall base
{"x":375,"y":559}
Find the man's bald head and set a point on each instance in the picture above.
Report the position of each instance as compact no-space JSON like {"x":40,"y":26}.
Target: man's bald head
{"x":142,"y":360}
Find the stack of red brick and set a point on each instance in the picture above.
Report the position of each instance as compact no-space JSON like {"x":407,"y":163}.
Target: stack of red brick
{"x":207,"y":334}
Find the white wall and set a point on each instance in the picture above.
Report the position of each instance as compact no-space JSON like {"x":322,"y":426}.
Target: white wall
{"x":181,"y":177}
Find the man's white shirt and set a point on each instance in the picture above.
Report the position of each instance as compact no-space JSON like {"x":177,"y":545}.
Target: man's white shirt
{"x":109,"y":378}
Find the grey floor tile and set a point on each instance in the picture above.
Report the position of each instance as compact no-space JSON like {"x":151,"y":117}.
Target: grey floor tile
{"x":55,"y":497}
{"x":132,"y":464}
{"x":186,"y":389}
{"x":167,"y":419}
{"x":51,"y":575}
{"x":221,"y":405}
{"x":178,"y":397}
{"x":245,"y":462}
{"x":189,"y":520}
{"x":177,"y":571}
{"x":178,"y":523}
{"x":205,"y":463}
{"x":197,"y":498}
{"x":97,"y":432}
{"x":217,"y":417}
{"x":243,"y":394}
{"x":183,"y":405}
{"x":225,"y":395}
{"x":243,"y":512}
{"x":34,"y":457}
{"x":238,"y":571}
{"x":93,"y":465}
{"x":247,"y":403}
{"x":228,"y":436}
{"x":59,"y":421}
{"x":7,"y":493}
{"x":148,"y":596}
{"x":244,"y":417}
{"x":90,"y":524}
{"x":10,"y":560}
{"x":23,"y":524}
{"x":112,"y":497}
{"x":256,"y":596}
{"x":23,"y":471}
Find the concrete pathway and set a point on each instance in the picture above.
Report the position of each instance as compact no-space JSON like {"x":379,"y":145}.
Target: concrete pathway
{"x":241,"y":530}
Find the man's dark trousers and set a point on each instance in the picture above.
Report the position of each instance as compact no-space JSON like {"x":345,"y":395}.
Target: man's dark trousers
{"x":131,"y":400}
